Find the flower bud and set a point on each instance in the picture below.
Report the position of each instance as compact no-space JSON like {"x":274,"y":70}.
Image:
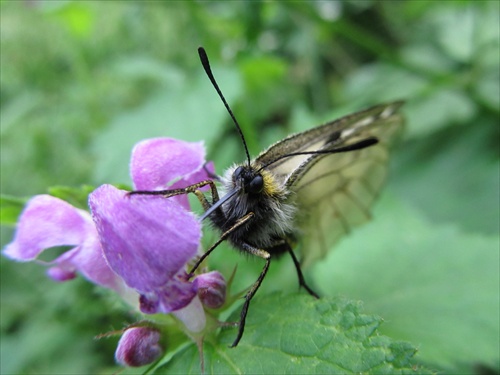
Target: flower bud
{"x":211,"y":289}
{"x":60,"y":274}
{"x":138,"y":346}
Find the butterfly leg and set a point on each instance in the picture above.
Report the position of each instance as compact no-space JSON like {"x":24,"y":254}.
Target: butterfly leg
{"x":224,"y":235}
{"x":188,"y":189}
{"x":282,"y":246}
{"x":302,"y":281}
{"x":253,"y":289}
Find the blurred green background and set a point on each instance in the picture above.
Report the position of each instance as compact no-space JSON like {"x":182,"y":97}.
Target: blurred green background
{"x":81,"y":82}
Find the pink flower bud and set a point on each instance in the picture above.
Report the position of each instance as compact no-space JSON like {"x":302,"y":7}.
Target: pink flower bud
{"x":60,"y":274}
{"x":211,"y":289}
{"x":138,"y":346}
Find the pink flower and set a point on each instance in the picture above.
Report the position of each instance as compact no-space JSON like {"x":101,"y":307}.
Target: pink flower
{"x":147,"y":241}
{"x":138,"y":242}
{"x":48,"y":222}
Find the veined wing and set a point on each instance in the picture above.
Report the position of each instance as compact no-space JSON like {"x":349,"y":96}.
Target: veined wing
{"x":334,"y":192}
{"x":340,"y":132}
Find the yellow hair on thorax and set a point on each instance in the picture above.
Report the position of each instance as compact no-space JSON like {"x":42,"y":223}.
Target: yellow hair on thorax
{"x":271,"y":186}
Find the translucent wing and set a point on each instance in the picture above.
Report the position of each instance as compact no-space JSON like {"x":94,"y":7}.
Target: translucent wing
{"x":334,"y":192}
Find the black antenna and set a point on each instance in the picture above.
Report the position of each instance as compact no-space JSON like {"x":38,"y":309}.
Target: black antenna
{"x":353,"y":147}
{"x":206,"y":66}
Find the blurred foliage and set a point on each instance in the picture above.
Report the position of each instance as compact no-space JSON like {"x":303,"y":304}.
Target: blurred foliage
{"x":81,"y":82}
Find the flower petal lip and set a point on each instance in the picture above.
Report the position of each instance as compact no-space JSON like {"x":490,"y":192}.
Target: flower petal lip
{"x":157,"y":163}
{"x":167,"y":163}
{"x":146,"y":240}
{"x":173,"y":296}
{"x":47,"y":222}
{"x":89,"y":260}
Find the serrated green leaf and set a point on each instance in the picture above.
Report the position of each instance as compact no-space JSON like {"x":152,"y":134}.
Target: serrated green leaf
{"x":434,"y":285}
{"x":292,"y":334}
{"x":10,"y":209}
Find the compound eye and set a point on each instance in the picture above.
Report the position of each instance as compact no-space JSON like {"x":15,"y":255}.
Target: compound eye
{"x":256,"y":185}
{"x":237,"y":173}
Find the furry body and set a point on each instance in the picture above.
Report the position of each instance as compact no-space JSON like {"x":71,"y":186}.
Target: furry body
{"x":273,"y":210}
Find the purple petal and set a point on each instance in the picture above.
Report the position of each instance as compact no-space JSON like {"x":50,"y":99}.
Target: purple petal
{"x":88,"y":259}
{"x":195,"y":177}
{"x":147,"y":240}
{"x":159,"y":162}
{"x":172,"y":296}
{"x":48,"y":222}
{"x":211,"y":289}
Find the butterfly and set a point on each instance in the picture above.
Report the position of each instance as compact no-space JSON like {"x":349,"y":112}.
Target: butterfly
{"x":310,"y":188}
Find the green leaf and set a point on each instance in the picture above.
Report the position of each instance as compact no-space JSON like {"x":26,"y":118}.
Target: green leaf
{"x":433,"y":285}
{"x":488,"y":89}
{"x":426,"y":57}
{"x":77,"y":17}
{"x":381,"y":82}
{"x":465,"y":32}
{"x":262,"y":73}
{"x":10,"y":209}
{"x":441,"y":107}
{"x":455,"y":30}
{"x":267,"y":91}
{"x":453,"y":177}
{"x":291,"y":334}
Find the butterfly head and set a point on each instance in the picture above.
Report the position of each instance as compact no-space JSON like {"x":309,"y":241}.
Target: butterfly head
{"x":248,"y":180}
{"x":254,"y":181}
